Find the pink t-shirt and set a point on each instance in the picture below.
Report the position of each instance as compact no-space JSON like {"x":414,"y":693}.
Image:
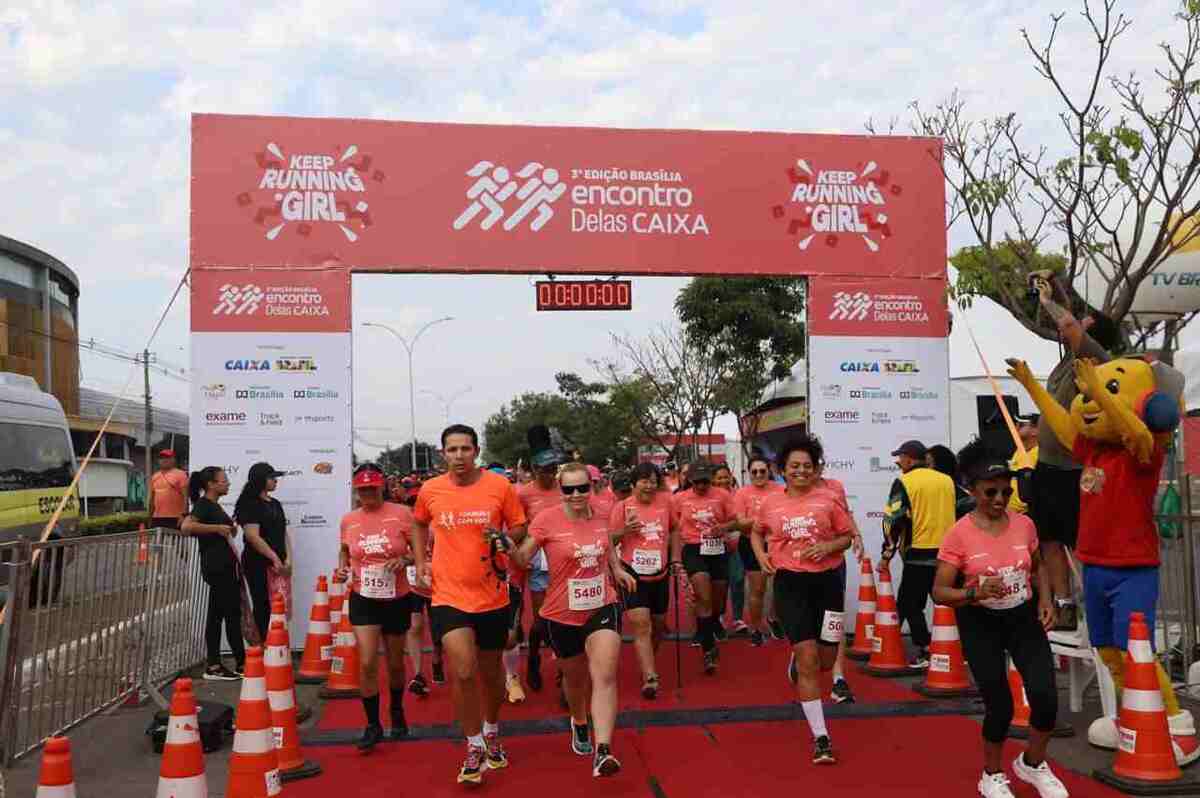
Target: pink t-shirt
{"x":1007,"y":556}
{"x":697,"y":516}
{"x":835,"y":487}
{"x":577,"y":551}
{"x":646,"y":552}
{"x":603,"y":502}
{"x":410,"y":572}
{"x":373,"y":538}
{"x":791,"y":524}
{"x":534,"y":499}
{"x":748,"y":500}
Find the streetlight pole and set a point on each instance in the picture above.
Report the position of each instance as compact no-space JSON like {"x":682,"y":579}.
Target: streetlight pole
{"x":448,"y":403}
{"x":409,"y":346}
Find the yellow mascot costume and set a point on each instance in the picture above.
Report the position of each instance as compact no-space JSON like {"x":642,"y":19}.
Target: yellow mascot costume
{"x":1118,"y":428}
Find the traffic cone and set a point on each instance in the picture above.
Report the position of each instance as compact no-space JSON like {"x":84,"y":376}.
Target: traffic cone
{"x":337,"y":602}
{"x":343,"y":675}
{"x":253,"y":765}
{"x":143,"y":549}
{"x":318,"y":645}
{"x":1019,"y":728}
{"x":887,"y":654}
{"x":864,"y":625}
{"x":278,"y":611}
{"x":281,"y":694}
{"x":181,"y":774}
{"x":947,"y":675}
{"x":57,"y":778}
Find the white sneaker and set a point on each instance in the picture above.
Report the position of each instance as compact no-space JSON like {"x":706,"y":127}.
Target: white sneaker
{"x":994,"y":785}
{"x":1041,"y":777}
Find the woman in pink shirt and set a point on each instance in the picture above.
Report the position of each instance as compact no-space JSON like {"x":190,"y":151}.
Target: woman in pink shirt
{"x":987,"y":568}
{"x":582,"y":609}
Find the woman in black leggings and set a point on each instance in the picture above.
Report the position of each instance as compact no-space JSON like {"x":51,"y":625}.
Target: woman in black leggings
{"x":214,"y":530}
{"x":987,"y":566}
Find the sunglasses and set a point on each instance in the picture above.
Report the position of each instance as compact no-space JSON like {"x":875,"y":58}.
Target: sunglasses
{"x":990,"y":493}
{"x":757,"y":472}
{"x":572,"y":489}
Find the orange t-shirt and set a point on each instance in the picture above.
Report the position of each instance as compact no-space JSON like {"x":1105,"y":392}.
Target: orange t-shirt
{"x":580,"y":578}
{"x":749,"y":499}
{"x":791,"y":524}
{"x":411,"y":571}
{"x":646,"y":552}
{"x":373,"y":538}
{"x":534,"y":500}
{"x":459,"y":517}
{"x":697,"y":516}
{"x":170,"y":493}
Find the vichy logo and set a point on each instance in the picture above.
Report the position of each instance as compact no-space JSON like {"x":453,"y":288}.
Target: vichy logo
{"x":494,"y":186}
{"x":840,"y":465}
{"x":850,"y":307}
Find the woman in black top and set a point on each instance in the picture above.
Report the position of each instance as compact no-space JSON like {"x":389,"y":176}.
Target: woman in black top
{"x":268,"y":547}
{"x":214,"y":531}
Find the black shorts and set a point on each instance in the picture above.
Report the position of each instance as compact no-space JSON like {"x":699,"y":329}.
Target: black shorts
{"x":516,"y":600}
{"x":653,"y":596}
{"x":1055,"y":505}
{"x":746,"y":552}
{"x":394,"y":616}
{"x":802,"y":600}
{"x":164,"y":523}
{"x":419,"y":603}
{"x":491,"y":627}
{"x":715,"y":565}
{"x":567,"y":640}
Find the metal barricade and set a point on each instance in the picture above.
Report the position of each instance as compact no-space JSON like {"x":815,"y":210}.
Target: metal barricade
{"x":94,"y":623}
{"x":1177,"y":627}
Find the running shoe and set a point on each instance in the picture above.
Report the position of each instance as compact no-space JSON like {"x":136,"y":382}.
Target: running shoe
{"x":710,"y":661}
{"x":370,"y":738}
{"x":823,"y":751}
{"x":740,"y":629}
{"x":219,"y":673}
{"x":695,"y":641}
{"x":418,"y":686}
{"x":841,"y":693}
{"x":240,"y":669}
{"x":1041,"y":777}
{"x":533,"y":672}
{"x":757,"y":639}
{"x":721,"y":634}
{"x":496,"y":758}
{"x":921,"y":660}
{"x":472,"y":767}
{"x":650,"y":687}
{"x":581,"y":739}
{"x":605,"y":764}
{"x":399,"y":724}
{"x":792,"y":674}
{"x":776,"y":629}
{"x":994,"y":785}
{"x":439,"y":673}
{"x":516,"y":693}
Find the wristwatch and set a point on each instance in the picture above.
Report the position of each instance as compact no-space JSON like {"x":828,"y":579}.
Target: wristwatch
{"x":970,"y":595}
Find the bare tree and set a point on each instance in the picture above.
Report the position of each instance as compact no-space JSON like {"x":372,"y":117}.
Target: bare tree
{"x":1114,"y":194}
{"x":674,"y":384}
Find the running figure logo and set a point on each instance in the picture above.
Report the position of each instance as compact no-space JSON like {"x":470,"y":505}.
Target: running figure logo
{"x":494,"y":185}
{"x":235,"y":300}
{"x":850,"y":307}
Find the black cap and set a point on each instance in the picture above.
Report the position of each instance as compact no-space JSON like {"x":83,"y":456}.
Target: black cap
{"x":700,"y":470}
{"x":990,"y":469}
{"x":1030,"y":420}
{"x":262,"y":472}
{"x":912,"y":449}
{"x":622,"y":480}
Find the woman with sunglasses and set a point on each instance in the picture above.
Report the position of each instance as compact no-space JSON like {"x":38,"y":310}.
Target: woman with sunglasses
{"x":987,"y":566}
{"x":746,"y":502}
{"x":643,"y":524}
{"x":373,"y":554}
{"x":582,"y":610}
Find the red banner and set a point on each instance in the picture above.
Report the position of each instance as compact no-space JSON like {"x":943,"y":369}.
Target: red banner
{"x":270,"y":300}
{"x":878,"y":308}
{"x":413,"y":197}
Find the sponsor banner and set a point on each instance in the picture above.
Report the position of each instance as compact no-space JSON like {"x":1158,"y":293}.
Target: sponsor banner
{"x":890,"y":307}
{"x":270,"y":300}
{"x":378,"y":195}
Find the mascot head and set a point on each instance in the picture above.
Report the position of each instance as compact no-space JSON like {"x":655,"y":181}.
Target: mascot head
{"x":1144,"y":389}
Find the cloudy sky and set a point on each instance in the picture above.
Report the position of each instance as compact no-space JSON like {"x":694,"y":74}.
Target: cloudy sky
{"x":94,"y":138}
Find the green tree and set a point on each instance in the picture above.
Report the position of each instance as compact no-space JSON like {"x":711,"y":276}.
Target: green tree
{"x":399,"y":460}
{"x":504,"y":432}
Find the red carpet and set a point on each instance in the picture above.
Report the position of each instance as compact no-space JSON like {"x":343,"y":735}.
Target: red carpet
{"x":747,"y":676}
{"x":909,"y":757}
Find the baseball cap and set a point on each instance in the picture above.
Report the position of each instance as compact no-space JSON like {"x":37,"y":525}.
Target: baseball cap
{"x":263,"y":472}
{"x":911,"y":448}
{"x":991,"y":469}
{"x":594,"y":473}
{"x":547,"y":458}
{"x":1029,"y":420}
{"x":368,"y":478}
{"x":167,"y":453}
{"x":622,"y":480}
{"x":700,"y":471}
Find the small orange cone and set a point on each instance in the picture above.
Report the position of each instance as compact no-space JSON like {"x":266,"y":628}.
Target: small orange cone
{"x":947,"y":675}
{"x":281,"y":694}
{"x":181,"y":774}
{"x":343,"y":676}
{"x":57,"y":778}
{"x":253,"y":765}
{"x":864,"y":625}
{"x":278,"y":611}
{"x":1019,"y":728}
{"x":143,"y":550}
{"x":887,"y":655}
{"x":318,"y":645}
{"x":337,"y":602}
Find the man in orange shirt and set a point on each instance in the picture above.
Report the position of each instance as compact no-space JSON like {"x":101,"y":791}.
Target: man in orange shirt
{"x":168,"y":502}
{"x":471,"y":608}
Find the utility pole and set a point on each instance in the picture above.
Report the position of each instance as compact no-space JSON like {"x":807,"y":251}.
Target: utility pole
{"x":149,"y":416}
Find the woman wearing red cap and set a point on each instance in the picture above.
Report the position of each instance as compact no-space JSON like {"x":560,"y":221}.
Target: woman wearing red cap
{"x":373,"y":555}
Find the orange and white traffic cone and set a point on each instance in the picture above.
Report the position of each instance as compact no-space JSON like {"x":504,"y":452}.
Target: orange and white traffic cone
{"x":887,"y":655}
{"x":343,"y":679}
{"x":864,"y":624}
{"x":337,"y":601}
{"x":1019,"y":728}
{"x":278,"y":611}
{"x":181,"y":774}
{"x":143,"y":549}
{"x":254,"y":765}
{"x":947,"y":675}
{"x":57,"y":777}
{"x":281,"y":693}
{"x":318,"y":645}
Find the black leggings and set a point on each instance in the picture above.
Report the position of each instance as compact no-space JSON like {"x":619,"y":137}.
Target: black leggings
{"x":916,"y":584}
{"x":986,"y":636}
{"x":224,"y":605}
{"x":260,"y":599}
